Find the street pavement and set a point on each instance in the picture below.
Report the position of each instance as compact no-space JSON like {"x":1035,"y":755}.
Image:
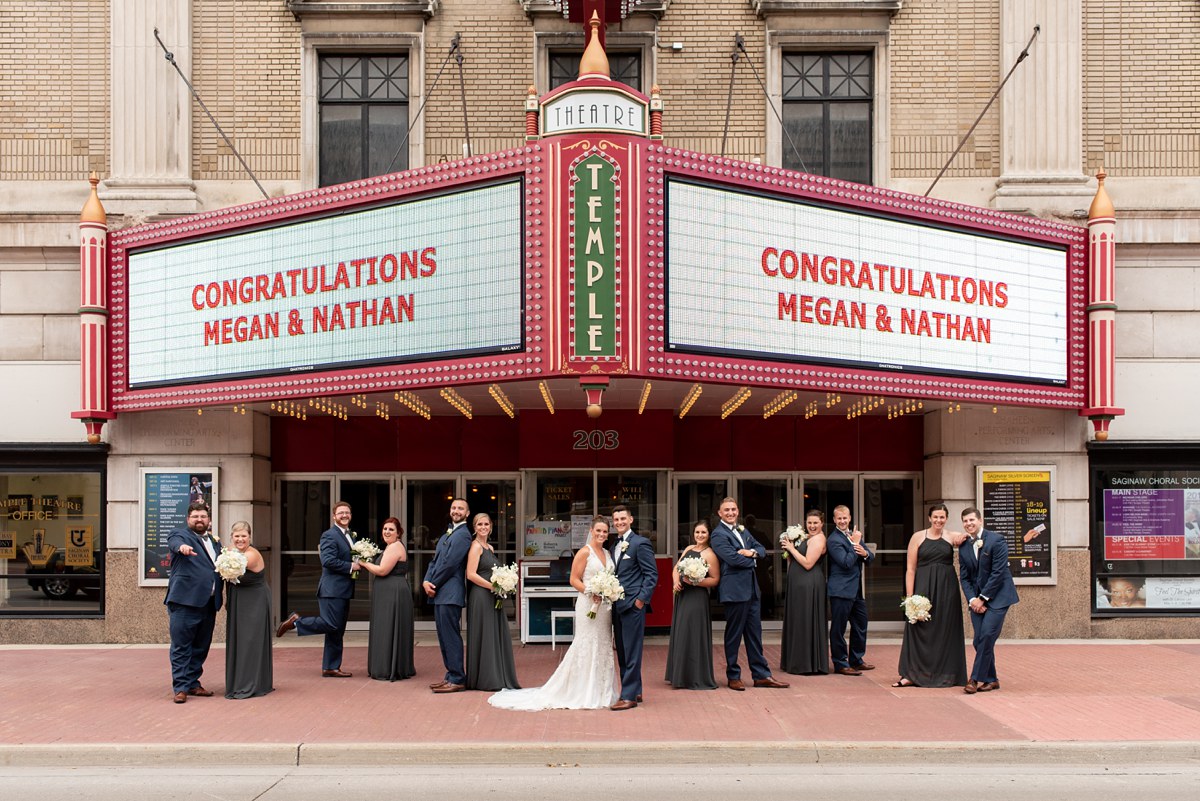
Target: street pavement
{"x":1061,"y":702}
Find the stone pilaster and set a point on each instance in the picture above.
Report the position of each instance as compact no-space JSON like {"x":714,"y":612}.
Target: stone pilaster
{"x":1041,"y":109}
{"x":151,"y":109}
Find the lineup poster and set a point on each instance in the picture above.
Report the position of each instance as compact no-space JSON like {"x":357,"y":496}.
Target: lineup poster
{"x":1018,"y":503}
{"x":1151,"y":522}
{"x":166,"y":494}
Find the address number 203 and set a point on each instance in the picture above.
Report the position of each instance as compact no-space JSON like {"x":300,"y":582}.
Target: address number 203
{"x":606,"y":440}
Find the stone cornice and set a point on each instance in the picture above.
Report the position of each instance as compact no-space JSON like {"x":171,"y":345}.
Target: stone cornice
{"x":302,"y":8}
{"x":764,"y":7}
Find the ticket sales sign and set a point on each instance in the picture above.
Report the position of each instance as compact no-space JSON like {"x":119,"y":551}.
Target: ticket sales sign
{"x":431,"y":278}
{"x":780,"y":279}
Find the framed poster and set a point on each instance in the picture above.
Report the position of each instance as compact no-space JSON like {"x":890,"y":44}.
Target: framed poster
{"x":1017,"y":502}
{"x":166,"y":494}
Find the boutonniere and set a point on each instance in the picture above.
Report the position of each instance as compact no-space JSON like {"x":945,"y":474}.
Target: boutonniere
{"x":353,"y":535}
{"x":740,"y":529}
{"x":624,"y":546}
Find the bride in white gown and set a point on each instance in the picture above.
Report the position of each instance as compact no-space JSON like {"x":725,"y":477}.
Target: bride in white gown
{"x":586,"y":677}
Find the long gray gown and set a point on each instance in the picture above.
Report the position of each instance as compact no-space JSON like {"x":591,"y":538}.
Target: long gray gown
{"x":390,"y":641}
{"x":933,"y":654}
{"x":804,"y":647}
{"x":690,"y":652}
{"x":490,"y":663}
{"x":248,"y":668}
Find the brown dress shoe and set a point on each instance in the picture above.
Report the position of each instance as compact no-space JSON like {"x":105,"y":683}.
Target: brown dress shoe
{"x":736,"y":684}
{"x":181,"y":698}
{"x":449,"y":688}
{"x":287,"y":625}
{"x":622,"y":705}
{"x":200,"y":692}
{"x":771,"y":681}
{"x":988,"y":686}
{"x":972,"y":687}
{"x":639,"y":698}
{"x":336,"y":674}
{"x":437,"y":684}
{"x":864,"y":666}
{"x":848,"y":671}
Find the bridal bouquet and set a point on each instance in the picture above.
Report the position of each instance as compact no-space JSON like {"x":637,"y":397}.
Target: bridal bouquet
{"x":231,"y":564}
{"x":365,"y":551}
{"x":504,"y":582}
{"x":605,"y":584}
{"x":795,"y":535}
{"x":916,"y":608}
{"x":693,"y":571}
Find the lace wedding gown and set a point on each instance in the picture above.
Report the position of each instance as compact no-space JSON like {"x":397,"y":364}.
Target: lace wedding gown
{"x":586,"y":677}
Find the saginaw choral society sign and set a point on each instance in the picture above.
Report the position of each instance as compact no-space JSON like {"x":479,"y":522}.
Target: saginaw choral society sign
{"x":780,"y":279}
{"x":430,"y":278}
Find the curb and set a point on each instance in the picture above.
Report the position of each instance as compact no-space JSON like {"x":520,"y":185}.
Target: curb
{"x":583,"y":754}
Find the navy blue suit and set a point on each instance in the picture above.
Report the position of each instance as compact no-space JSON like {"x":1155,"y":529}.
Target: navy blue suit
{"x":989,"y":578}
{"x":738,"y":591}
{"x":846,"y":601}
{"x":193,"y":598}
{"x":447,"y":573}
{"x":638,"y":574}
{"x":334,"y":592}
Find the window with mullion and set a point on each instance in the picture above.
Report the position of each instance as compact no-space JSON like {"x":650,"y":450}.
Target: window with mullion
{"x":363,"y":110}
{"x":625,"y":68}
{"x":827,"y":114}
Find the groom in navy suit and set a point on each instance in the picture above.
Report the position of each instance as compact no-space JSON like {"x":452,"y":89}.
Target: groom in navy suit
{"x":739,"y":551}
{"x":445,"y":584}
{"x":193,"y":598}
{"x":334,"y":591}
{"x":633,"y":556}
{"x":988,"y":586}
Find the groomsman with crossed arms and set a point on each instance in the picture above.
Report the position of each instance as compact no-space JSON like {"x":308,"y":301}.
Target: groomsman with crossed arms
{"x":738,"y":552}
{"x":987,"y":583}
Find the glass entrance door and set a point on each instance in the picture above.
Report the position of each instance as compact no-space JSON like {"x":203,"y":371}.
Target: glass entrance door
{"x":763,"y":503}
{"x":370,"y":502}
{"x":304,"y":512}
{"x":889,"y":514}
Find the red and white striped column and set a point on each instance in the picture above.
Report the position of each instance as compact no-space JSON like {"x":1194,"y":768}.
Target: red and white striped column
{"x":1102,"y":312}
{"x":93,"y":317}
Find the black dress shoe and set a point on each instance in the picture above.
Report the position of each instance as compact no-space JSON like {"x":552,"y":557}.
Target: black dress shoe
{"x":336,"y":674}
{"x":622,"y":705}
{"x":287,"y":625}
{"x":200,"y":692}
{"x":181,"y":698}
{"x":449,"y":688}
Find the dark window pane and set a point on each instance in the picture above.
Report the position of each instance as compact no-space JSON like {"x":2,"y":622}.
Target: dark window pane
{"x":387,"y":127}
{"x":850,"y":142}
{"x":803,"y":126}
{"x":387,"y":79}
{"x":341,"y":78}
{"x":341,"y":144}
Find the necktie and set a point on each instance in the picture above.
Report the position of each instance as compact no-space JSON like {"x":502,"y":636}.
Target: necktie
{"x":206,"y":541}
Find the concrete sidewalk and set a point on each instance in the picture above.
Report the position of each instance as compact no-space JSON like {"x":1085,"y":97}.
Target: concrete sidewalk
{"x":1060,"y":701}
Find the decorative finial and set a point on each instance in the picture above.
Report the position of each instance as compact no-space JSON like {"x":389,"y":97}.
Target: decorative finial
{"x":1102,"y":205}
{"x":93,"y":209}
{"x":594,"y":63}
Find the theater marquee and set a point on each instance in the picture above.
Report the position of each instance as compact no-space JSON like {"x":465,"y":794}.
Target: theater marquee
{"x":430,"y":278}
{"x":780,"y":279}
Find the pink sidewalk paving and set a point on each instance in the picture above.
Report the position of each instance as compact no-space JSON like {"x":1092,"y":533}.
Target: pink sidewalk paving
{"x":1059,"y":692}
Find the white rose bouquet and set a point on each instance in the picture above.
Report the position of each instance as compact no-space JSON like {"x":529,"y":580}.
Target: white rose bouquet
{"x":504,"y":582}
{"x":693,"y":571}
{"x":231,"y":565}
{"x":795,"y":535}
{"x":605,"y":584}
{"x":916,"y":608}
{"x":364,"y":550}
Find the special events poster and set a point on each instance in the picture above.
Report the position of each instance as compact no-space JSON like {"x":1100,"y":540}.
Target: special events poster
{"x":1151,"y":518}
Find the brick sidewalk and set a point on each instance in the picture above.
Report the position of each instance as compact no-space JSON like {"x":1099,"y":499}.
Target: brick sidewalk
{"x":1114,"y":692}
